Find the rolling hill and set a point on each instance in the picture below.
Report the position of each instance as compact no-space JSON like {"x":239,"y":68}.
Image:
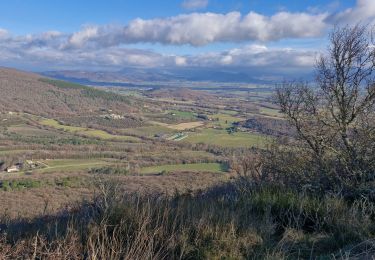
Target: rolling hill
{"x":32,"y":93}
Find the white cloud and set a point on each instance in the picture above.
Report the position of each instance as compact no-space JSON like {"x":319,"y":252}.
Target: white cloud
{"x":226,"y":60}
{"x":180,"y":61}
{"x":81,"y":37}
{"x":257,"y":56}
{"x":3,"y":33}
{"x":362,"y":12}
{"x":199,"y":29}
{"x":204,"y":28}
{"x":194,"y":4}
{"x":44,"y":51}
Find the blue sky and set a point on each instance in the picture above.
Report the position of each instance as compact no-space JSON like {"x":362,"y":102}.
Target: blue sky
{"x":33,"y":16}
{"x":231,"y":34}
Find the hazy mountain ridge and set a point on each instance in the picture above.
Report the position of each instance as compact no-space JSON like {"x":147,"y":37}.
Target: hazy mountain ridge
{"x":136,"y":75}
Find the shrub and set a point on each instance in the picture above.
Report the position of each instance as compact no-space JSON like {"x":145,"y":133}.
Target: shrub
{"x":334,"y":119}
{"x":8,"y":185}
{"x":115,"y":170}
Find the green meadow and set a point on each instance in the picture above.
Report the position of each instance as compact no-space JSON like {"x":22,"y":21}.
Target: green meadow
{"x":62,"y":165}
{"x":222,"y":138}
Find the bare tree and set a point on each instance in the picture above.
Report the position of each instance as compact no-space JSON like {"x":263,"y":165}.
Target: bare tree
{"x":334,"y":118}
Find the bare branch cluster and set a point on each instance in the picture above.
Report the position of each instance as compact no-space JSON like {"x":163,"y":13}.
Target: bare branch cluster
{"x":334,"y":118}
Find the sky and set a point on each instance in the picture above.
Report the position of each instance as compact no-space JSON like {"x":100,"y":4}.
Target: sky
{"x":280,"y":36}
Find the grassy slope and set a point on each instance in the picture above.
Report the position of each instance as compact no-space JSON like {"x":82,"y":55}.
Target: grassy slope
{"x":187,"y":115}
{"x":70,"y":165}
{"x":270,"y":112}
{"x":26,"y":130}
{"x":87,"y":131}
{"x":222,"y":138}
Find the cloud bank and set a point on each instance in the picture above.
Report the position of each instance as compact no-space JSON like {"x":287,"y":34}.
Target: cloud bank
{"x":198,"y":29}
{"x":105,"y":46}
{"x":363,"y":11}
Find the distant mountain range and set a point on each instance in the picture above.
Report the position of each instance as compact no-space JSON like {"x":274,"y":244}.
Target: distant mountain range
{"x":130,"y":76}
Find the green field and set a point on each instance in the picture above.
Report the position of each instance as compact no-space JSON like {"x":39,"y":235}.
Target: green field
{"x":224,"y":120}
{"x":148,"y":131}
{"x":55,"y":124}
{"x":26,"y":130}
{"x":270,"y":111}
{"x":70,"y":165}
{"x":222,"y":138}
{"x":9,"y":152}
{"x":199,"y":167}
{"x":89,"y":132}
{"x":182,"y":114}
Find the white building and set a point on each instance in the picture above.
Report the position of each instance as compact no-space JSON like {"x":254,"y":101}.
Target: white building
{"x":13,"y":168}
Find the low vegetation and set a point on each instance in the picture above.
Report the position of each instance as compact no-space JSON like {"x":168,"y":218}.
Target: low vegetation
{"x":21,"y":184}
{"x":111,"y":170}
{"x":200,"y":167}
{"x":225,"y":222}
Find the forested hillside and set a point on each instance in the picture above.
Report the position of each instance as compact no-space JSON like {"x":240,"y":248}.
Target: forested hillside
{"x":31,"y":93}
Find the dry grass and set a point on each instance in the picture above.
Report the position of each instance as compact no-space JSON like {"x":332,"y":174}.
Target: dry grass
{"x":221,"y":223}
{"x":48,"y":198}
{"x":185,"y":126}
{"x":40,"y":201}
{"x":181,"y":126}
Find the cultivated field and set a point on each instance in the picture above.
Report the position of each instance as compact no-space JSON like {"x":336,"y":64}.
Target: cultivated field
{"x":222,"y":138}
{"x":186,"y":126}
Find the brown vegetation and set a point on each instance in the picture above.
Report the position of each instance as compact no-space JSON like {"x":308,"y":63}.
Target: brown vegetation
{"x":224,"y":222}
{"x":25,"y":92}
